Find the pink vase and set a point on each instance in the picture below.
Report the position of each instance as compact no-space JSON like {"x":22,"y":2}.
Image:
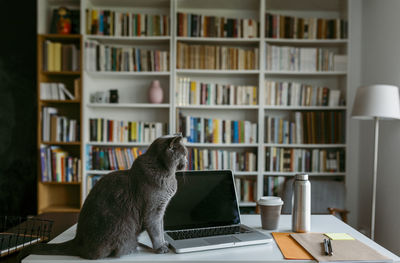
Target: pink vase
{"x":155,"y":92}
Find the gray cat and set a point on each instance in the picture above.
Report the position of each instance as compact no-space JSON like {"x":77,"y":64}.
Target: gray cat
{"x":123,"y":204}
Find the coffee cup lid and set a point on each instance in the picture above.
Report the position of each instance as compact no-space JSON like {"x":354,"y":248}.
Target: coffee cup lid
{"x":270,"y":200}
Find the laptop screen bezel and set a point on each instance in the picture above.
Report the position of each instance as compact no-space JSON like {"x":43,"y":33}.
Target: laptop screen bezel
{"x":200,"y":173}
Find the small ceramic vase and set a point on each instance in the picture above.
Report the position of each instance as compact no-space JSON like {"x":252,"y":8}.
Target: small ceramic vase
{"x":155,"y":92}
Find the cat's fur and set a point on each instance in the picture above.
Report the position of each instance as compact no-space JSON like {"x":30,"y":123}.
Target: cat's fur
{"x":123,"y":204}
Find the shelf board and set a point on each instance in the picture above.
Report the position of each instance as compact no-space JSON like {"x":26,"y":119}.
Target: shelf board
{"x":61,"y":183}
{"x":304,"y":108}
{"x":222,"y":145}
{"x":60,"y":101}
{"x":240,"y":173}
{"x":61,"y":36}
{"x":61,"y":143}
{"x":61,"y":73}
{"x":127,"y":73}
{"x":128,"y":105}
{"x":130,"y":144}
{"x":219,"y":39}
{"x":306,"y":41}
{"x":305,"y":73}
{"x":309,"y":173}
{"x":60,"y":208}
{"x":216,"y":71}
{"x":247,"y":204}
{"x":129,"y":38}
{"x":98,"y":172}
{"x":219,"y":107}
{"x":297,"y":145}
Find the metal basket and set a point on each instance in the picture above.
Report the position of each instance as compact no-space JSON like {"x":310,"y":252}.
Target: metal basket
{"x":17,"y":232}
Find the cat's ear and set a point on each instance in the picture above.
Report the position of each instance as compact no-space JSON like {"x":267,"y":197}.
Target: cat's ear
{"x":176,"y":140}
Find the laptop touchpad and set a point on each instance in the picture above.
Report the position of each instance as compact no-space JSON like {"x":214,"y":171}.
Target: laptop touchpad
{"x":221,"y":240}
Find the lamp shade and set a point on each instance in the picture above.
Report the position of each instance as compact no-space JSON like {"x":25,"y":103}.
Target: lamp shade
{"x":380,"y":101}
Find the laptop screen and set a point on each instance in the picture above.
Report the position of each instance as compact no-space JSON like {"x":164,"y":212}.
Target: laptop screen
{"x":203,"y":199}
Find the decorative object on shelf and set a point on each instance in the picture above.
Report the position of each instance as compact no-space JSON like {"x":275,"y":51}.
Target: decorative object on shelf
{"x":61,"y":21}
{"x":156,"y":93}
{"x":99,"y":97}
{"x":376,"y":102}
{"x":114,"y":96}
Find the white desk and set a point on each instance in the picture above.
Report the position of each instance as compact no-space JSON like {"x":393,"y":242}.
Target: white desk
{"x":257,"y":253}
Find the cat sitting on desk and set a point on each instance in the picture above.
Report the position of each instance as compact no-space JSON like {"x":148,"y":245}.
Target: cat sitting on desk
{"x":123,"y":204}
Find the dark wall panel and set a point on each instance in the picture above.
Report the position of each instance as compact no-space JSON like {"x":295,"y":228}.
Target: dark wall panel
{"x":18,"y":108}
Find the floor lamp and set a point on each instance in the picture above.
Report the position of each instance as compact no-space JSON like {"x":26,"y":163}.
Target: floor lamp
{"x":376,"y":102}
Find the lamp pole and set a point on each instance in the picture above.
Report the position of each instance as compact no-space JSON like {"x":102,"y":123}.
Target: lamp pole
{"x":376,"y":121}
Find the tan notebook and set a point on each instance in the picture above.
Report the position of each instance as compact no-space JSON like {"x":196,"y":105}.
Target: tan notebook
{"x":342,"y":249}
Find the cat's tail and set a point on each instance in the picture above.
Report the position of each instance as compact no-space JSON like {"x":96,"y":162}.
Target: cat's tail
{"x":65,"y":248}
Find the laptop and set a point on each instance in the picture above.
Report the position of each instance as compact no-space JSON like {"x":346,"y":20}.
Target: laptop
{"x":204,"y":214}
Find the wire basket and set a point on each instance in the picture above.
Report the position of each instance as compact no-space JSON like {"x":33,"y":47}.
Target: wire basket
{"x":17,"y":232}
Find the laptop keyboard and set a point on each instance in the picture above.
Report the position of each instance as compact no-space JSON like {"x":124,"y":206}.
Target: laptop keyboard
{"x":206,"y":232}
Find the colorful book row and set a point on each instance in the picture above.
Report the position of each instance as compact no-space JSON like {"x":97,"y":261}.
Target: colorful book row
{"x":274,"y":185}
{"x":284,"y":26}
{"x":114,"y":23}
{"x":192,"y":56}
{"x":322,"y":127}
{"x":60,"y":57}
{"x":111,"y":158}
{"x":207,"y":130}
{"x":101,"y":57}
{"x":58,"y":166}
{"x":192,"y":25}
{"x":298,"y":94}
{"x":304,"y":160}
{"x":246,"y":189}
{"x":287,"y":58}
{"x":190,"y":92}
{"x":56,"y":128}
{"x":103,"y":130}
{"x":206,"y":159}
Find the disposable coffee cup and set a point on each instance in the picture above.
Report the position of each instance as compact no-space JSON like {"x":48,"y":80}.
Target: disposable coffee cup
{"x":270,"y":208}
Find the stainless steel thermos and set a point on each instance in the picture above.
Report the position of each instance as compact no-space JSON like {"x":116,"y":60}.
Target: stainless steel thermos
{"x":301,"y":205}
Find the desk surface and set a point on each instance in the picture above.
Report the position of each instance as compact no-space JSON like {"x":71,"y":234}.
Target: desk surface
{"x":256,"y":253}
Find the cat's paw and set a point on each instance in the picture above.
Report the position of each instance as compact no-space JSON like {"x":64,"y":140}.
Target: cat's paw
{"x":163,"y":249}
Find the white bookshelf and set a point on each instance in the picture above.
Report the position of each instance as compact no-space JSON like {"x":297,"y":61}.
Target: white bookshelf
{"x":133,"y":86}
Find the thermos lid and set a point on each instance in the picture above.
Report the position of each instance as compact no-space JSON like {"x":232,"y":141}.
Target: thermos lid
{"x":270,"y":200}
{"x":302,"y":177}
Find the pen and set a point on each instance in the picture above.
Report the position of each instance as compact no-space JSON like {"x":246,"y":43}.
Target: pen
{"x":326,"y":246}
{"x":330,"y":247}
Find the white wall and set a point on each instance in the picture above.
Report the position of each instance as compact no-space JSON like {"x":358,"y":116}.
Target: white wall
{"x":380,"y":63}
